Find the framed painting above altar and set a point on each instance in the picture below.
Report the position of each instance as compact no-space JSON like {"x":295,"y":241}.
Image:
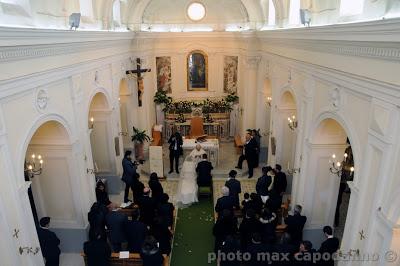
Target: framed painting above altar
{"x":197,"y":71}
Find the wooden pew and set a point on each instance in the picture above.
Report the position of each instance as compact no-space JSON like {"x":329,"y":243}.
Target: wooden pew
{"x":238,"y":144}
{"x":134,"y":260}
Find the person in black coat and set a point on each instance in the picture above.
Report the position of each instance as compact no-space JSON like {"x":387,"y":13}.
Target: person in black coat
{"x":102,"y":195}
{"x":280,"y":183}
{"x":234,"y":187}
{"x":264,"y":184}
{"x":231,"y":245}
{"x":175,"y":150}
{"x":147,"y":208}
{"x":249,"y":225}
{"x":136,"y":232}
{"x":284,"y":247}
{"x":249,"y":154}
{"x":97,"y":250}
{"x":49,"y":243}
{"x":129,"y":175}
{"x":150,"y":254}
{"x":116,"y":223}
{"x":246,"y":203}
{"x":203,"y":170}
{"x":166,"y":210}
{"x":97,"y":218}
{"x":138,"y":188}
{"x":161,"y":232}
{"x":258,"y":251}
{"x":330,"y":246}
{"x":255,"y":203}
{"x":295,"y":224}
{"x":156,"y":188}
{"x":225,"y":225}
{"x":305,"y":256}
{"x":268,"y":224}
{"x":225,"y":202}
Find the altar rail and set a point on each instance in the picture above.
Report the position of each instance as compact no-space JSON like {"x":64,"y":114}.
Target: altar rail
{"x":220,"y":127}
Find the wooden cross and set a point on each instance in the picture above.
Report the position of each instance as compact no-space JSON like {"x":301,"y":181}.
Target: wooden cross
{"x":138,"y":71}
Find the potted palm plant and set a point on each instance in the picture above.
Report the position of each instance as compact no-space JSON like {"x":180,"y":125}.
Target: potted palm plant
{"x":139,"y":137}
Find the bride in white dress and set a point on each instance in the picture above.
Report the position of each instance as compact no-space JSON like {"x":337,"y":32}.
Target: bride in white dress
{"x":187,"y":187}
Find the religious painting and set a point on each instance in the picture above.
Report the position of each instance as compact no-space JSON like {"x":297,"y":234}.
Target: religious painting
{"x":230,"y":74}
{"x":163,"y":65}
{"x":197,"y":71}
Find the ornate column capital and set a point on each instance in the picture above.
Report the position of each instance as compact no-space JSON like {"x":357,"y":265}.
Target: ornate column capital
{"x":252,"y":62}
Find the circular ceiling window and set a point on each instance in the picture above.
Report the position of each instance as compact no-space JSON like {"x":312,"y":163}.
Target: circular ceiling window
{"x":196,"y":11}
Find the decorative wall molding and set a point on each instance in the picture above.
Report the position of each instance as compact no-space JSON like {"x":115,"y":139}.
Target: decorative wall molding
{"x":42,"y":100}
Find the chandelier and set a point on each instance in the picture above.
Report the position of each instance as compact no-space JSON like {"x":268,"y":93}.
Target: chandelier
{"x":35,"y":166}
{"x":337,"y":167}
{"x":292,"y":122}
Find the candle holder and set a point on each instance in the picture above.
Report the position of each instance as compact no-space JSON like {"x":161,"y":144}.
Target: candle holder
{"x":269,"y":101}
{"x":34,"y":167}
{"x":337,"y":167}
{"x":292,"y":122}
{"x":91,"y":123}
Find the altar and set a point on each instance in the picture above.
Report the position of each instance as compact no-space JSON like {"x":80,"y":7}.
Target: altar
{"x":211,"y":146}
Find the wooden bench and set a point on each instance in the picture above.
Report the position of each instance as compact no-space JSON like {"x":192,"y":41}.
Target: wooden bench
{"x":134,"y":260}
{"x":238,"y":144}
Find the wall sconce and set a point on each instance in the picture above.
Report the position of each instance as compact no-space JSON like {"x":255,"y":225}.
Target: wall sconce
{"x":122,"y":133}
{"x":292,"y":171}
{"x":32,"y":168}
{"x":269,"y":101}
{"x":91,"y":123}
{"x":338,"y":167}
{"x":292,"y":122}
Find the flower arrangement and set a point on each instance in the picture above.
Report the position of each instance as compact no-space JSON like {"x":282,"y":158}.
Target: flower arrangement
{"x":180,"y":118}
{"x":208,"y":106}
{"x":161,"y":98}
{"x":232,"y":98}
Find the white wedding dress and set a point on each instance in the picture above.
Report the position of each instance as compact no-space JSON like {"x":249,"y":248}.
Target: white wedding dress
{"x":187,"y":186}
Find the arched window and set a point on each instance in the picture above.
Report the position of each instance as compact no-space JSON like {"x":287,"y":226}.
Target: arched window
{"x":86,"y":8}
{"x":271,"y":13}
{"x":117,"y":13}
{"x":294,"y":12}
{"x":351,"y":8}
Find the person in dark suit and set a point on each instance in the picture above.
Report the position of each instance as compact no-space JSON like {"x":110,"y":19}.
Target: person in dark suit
{"x":264,"y":184}
{"x":234,"y":187}
{"x":330,"y":246}
{"x":138,"y":188}
{"x":257,"y":137}
{"x":268,"y":223}
{"x":305,"y":256}
{"x":166,"y":210}
{"x":97,"y":218}
{"x":255,"y":203}
{"x":49,"y":243}
{"x":249,"y":154}
{"x":225,"y":202}
{"x":225,"y":225}
{"x":150,"y":254}
{"x":280,"y":183}
{"x":97,"y":250}
{"x":203,"y":170}
{"x":231,"y":245}
{"x":175,"y":150}
{"x":147,"y":208}
{"x":129,"y":173}
{"x":102,"y":195}
{"x":156,"y":188}
{"x":249,"y":225}
{"x":161,"y":232}
{"x":246,"y":203}
{"x":284,"y":247}
{"x":295,"y":224}
{"x":116,"y":223}
{"x":257,"y":249}
{"x":135,"y":232}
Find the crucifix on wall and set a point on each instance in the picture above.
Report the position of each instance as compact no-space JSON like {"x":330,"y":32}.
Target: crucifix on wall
{"x":138,"y":71}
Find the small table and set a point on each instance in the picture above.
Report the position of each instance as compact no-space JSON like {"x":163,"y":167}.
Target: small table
{"x":211,"y":146}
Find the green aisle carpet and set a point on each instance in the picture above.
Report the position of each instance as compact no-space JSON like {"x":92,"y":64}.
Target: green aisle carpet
{"x":193,"y":239}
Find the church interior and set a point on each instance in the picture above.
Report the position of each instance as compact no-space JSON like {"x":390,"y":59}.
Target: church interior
{"x":105,"y":103}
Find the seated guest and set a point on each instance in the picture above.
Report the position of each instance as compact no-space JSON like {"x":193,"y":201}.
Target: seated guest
{"x":295,"y":224}
{"x":255,"y":203}
{"x":162,"y":234}
{"x":231,"y":245}
{"x":330,"y":246}
{"x":234,"y":187}
{"x":156,"y":189}
{"x":203,"y":170}
{"x":49,"y":243}
{"x":284,"y":246}
{"x":274,"y":202}
{"x":135,"y":232}
{"x":150,"y":254}
{"x":245,"y":202}
{"x":116,"y":223}
{"x":225,"y":202}
{"x":147,"y":207}
{"x":249,"y":225}
{"x":305,"y":255}
{"x":268,"y":224}
{"x":225,"y":225}
{"x":97,"y":217}
{"x":102,"y":195}
{"x":257,"y":249}
{"x":97,"y":250}
{"x":166,"y":210}
{"x":264,"y":184}
{"x":137,"y":190}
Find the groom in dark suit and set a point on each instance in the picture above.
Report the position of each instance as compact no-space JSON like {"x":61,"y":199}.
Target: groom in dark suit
{"x":249,"y":154}
{"x":203,"y":170}
{"x":175,"y":150}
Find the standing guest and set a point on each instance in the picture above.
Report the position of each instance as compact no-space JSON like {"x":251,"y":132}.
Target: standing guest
{"x":330,"y":246}
{"x":116,"y":223}
{"x":249,"y":225}
{"x":263,"y":186}
{"x":246,"y":203}
{"x":295,"y":224}
{"x":225,"y":202}
{"x":249,"y":154}
{"x":234,"y":187}
{"x":161,"y":232}
{"x":203,"y":170}
{"x":49,"y":243}
{"x":175,"y":150}
{"x":225,"y":225}
{"x":138,"y":188}
{"x":150,"y":253}
{"x":156,"y":188}
{"x":166,"y":210}
{"x":135,"y":232}
{"x":97,"y":250}
{"x":147,"y":207}
{"x":280,"y":183}
{"x":129,"y":174}
{"x":257,"y":137}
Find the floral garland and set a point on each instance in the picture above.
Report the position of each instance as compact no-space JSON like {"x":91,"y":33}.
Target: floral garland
{"x":207,"y":106}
